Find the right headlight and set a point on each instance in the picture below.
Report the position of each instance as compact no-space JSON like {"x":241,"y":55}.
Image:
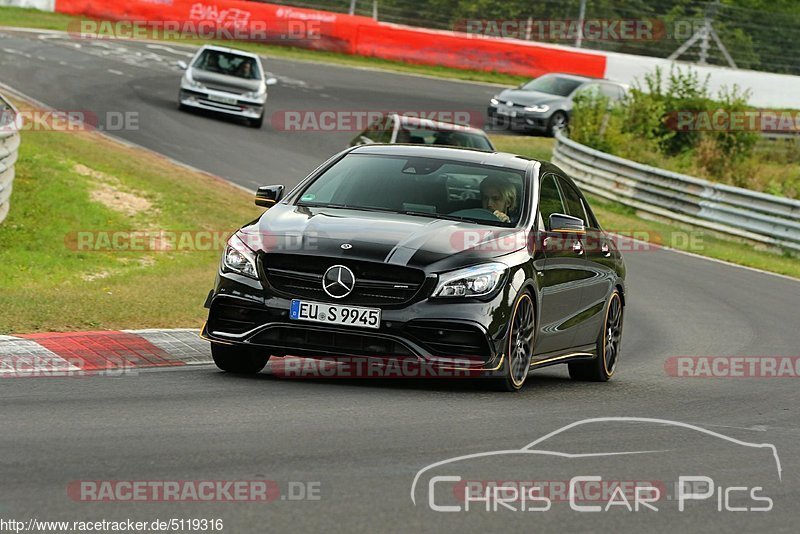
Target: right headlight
{"x":474,"y":281}
{"x":239,"y":258}
{"x":540,"y":109}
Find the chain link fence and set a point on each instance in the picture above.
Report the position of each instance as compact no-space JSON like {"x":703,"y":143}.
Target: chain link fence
{"x":748,"y":34}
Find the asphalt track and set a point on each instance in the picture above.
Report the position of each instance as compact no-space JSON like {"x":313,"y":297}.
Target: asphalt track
{"x":363,"y":441}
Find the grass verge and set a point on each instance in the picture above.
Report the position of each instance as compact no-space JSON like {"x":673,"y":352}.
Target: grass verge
{"x":623,"y":220}
{"x":83,"y":182}
{"x":31,"y":18}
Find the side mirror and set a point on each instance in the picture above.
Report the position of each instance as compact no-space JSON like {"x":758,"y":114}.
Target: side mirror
{"x":271,"y":81}
{"x":566,"y":223}
{"x":182,"y":65}
{"x":269,"y":195}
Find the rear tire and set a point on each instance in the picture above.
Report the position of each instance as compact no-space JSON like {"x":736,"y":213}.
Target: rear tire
{"x":602,"y":367}
{"x":238,"y":359}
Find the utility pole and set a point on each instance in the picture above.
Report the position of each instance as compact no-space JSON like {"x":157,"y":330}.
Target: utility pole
{"x":375,"y":9}
{"x":352,"y":7}
{"x":581,"y":19}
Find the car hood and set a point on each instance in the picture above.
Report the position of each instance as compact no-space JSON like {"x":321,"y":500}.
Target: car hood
{"x":528,"y":98}
{"x":414,"y":241}
{"x":214,"y":80}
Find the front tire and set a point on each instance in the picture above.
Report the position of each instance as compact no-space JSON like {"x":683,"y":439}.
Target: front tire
{"x":238,"y":359}
{"x":520,"y":346}
{"x":257,"y":123}
{"x":558,"y":121}
{"x":602,"y":367}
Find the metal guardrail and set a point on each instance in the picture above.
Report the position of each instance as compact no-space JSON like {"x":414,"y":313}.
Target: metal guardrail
{"x":9,"y":144}
{"x":759,"y":217}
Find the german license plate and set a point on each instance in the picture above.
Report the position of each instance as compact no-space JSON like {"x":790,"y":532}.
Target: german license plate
{"x":303,"y":310}
{"x":222,"y":99}
{"x":506,"y":111}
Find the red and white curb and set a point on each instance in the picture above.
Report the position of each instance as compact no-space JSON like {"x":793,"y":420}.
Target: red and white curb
{"x":81,"y":353}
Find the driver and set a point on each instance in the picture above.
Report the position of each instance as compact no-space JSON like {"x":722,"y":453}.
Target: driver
{"x":499,"y":196}
{"x":245,"y":70}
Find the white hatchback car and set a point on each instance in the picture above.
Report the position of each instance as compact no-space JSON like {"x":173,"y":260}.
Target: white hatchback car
{"x":227,"y":81}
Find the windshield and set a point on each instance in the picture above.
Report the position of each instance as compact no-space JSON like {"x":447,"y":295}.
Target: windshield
{"x":428,"y":136}
{"x":228,"y":64}
{"x":424,"y":187}
{"x":552,"y":85}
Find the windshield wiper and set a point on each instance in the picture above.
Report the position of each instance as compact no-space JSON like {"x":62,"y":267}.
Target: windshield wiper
{"x":431,"y":215}
{"x":342,"y":206}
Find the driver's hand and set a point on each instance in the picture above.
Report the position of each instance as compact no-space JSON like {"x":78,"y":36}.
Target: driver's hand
{"x":502,"y":216}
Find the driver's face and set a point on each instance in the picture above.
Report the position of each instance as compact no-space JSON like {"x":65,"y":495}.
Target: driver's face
{"x":493,"y":200}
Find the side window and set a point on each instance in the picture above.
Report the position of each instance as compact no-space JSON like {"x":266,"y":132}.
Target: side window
{"x":590,"y":214}
{"x":613,"y":92}
{"x":588,"y":90}
{"x":573,"y":201}
{"x":549,"y":199}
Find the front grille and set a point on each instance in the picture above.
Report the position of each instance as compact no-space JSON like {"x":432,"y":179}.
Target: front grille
{"x":447,"y":339}
{"x":377,"y":284}
{"x":326,"y":342}
{"x":232,"y":89}
{"x":220,"y":105}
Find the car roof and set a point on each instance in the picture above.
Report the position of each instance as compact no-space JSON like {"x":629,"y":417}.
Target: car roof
{"x":585,"y":79}
{"x":229,"y":50}
{"x":466,"y":155}
{"x":576,"y":77}
{"x":405,"y":120}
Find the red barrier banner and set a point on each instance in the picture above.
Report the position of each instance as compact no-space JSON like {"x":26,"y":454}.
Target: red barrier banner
{"x":323,"y":30}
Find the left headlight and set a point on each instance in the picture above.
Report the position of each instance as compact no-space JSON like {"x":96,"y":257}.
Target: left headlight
{"x":239,"y":258}
{"x":470,"y":282}
{"x":538,"y":109}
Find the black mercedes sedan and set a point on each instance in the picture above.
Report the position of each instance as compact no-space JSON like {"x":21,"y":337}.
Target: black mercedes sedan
{"x":448,"y":257}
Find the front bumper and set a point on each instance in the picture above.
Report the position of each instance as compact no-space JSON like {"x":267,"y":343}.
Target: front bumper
{"x":519,"y":120}
{"x":448,"y":335}
{"x":201,"y":100}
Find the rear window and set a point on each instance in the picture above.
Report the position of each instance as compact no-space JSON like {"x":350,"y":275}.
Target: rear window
{"x":430,"y":136}
{"x":426,"y":187}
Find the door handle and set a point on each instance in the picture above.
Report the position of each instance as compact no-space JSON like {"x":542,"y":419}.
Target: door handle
{"x":577,"y":248}
{"x":605,"y":250}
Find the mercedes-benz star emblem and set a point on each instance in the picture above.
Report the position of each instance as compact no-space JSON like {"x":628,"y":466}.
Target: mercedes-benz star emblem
{"x":338,"y":281}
